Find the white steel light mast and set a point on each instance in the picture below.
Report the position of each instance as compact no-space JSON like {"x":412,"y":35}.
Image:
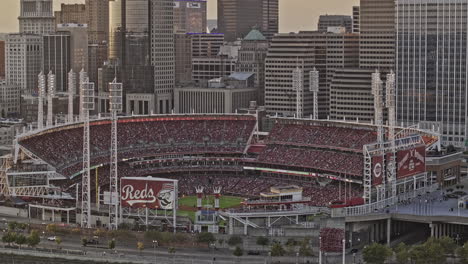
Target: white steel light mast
{"x":87,"y":94}
{"x":50,"y":97}
{"x":390,"y":101}
{"x":298,"y":86}
{"x":314,"y":88}
{"x":83,"y":79}
{"x":378,"y":104}
{"x":40,"y":107}
{"x":115,"y":101}
{"x":71,"y":93}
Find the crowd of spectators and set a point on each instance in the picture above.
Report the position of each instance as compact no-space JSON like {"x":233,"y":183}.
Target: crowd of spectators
{"x":331,"y":239}
{"x":326,"y":136}
{"x":64,"y":147}
{"x":325,"y":160}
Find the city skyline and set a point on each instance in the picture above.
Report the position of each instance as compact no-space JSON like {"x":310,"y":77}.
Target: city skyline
{"x":292,"y":12}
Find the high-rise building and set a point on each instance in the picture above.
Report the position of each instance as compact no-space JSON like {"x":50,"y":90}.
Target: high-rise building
{"x":71,"y":14}
{"x":237,"y":17}
{"x":351,"y":96}
{"x":162,"y":52}
{"x":431,"y":66}
{"x":78,"y":45}
{"x":23,"y":61}
{"x":23,"y":64}
{"x":356,"y":15}
{"x":98,"y":21}
{"x":206,"y":44}
{"x":326,"y":21}
{"x":183,"y":58}
{"x":190,"y":16}
{"x":252,"y":54}
{"x":205,"y":68}
{"x":2,"y":59}
{"x":305,"y":50}
{"x":377,"y":39}
{"x":36,"y":17}
{"x":9,"y":100}
{"x":97,"y":55}
{"x":57,"y":58}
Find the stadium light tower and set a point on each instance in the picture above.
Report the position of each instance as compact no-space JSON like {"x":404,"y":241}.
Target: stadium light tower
{"x":314,"y":88}
{"x":71,"y":93}
{"x":390,"y":101}
{"x":40,"y":107}
{"x":298,"y":86}
{"x":50,"y":97}
{"x":115,"y":102}
{"x":87,"y":94}
{"x":378,"y":104}
{"x":83,"y":79}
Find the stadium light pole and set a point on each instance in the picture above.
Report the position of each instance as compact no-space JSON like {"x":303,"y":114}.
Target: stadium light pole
{"x":40,"y":107}
{"x":87,"y":93}
{"x":115,"y":102}
{"x":50,"y":97}
{"x":71,"y":93}
{"x":298,"y":86}
{"x":314,"y":88}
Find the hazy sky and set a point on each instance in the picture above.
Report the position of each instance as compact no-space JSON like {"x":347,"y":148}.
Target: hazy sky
{"x":294,"y":14}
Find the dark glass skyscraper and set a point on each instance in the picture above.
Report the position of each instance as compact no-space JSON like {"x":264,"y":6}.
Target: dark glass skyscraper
{"x":431,"y":65}
{"x":237,"y":17}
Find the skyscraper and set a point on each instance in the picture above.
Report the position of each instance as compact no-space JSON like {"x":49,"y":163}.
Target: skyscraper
{"x":98,"y":35}
{"x":73,"y":14}
{"x":326,"y":21}
{"x":377,"y":39}
{"x":237,"y":17}
{"x":162,"y":52}
{"x":190,"y":16}
{"x":57,"y":58}
{"x":306,"y":50}
{"x":2,"y":59}
{"x":431,"y":66}
{"x":78,"y":45}
{"x":23,"y":63}
{"x":36,"y":17}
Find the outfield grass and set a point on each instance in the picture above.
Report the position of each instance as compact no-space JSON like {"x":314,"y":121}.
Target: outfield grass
{"x":224,"y":202}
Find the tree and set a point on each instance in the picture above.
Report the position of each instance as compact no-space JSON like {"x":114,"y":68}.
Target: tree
{"x":12,"y":225}
{"x":84,"y":241}
{"x":172,"y":251}
{"x":112,"y":244}
{"x":33,"y":238}
{"x":51,"y":228}
{"x":238,"y":252}
{"x":205,"y":238}
{"x":234,"y":241}
{"x":304,"y":249}
{"x":9,"y":237}
{"x":277,"y":250}
{"x":58,"y":241}
{"x":448,"y":244}
{"x":402,"y":253}
{"x":263,"y":241}
{"x":376,"y":253}
{"x":431,"y":252}
{"x":20,"y":240}
{"x":140,"y":246}
{"x":462,"y":253}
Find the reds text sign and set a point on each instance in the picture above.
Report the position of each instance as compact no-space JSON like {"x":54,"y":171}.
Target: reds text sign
{"x":153,"y":194}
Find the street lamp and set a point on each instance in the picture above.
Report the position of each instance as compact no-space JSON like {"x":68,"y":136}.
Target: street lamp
{"x":297,"y":257}
{"x":155,"y":244}
{"x":320,"y":250}
{"x":212,"y":245}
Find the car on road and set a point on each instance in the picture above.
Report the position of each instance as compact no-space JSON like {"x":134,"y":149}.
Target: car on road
{"x":52,"y":238}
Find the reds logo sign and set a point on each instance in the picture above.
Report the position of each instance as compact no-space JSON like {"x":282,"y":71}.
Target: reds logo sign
{"x":411,"y":162}
{"x":147,"y":194}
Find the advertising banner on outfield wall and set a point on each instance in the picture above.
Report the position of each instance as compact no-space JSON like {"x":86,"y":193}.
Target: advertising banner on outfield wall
{"x":377,"y":170}
{"x":411,"y":162}
{"x":152,"y":193}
